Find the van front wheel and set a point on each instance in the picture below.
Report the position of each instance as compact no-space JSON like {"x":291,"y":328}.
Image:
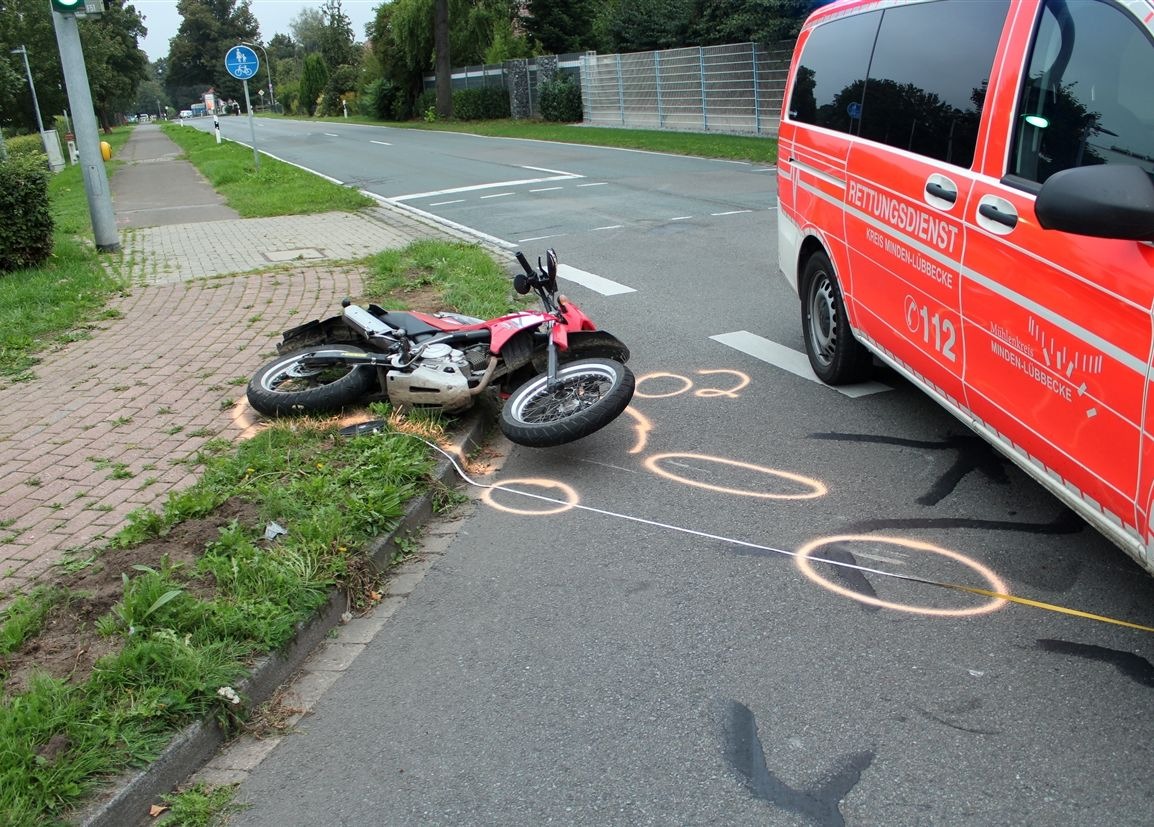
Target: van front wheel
{"x":834,"y":354}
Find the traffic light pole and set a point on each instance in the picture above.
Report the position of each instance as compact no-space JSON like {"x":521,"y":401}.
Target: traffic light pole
{"x":87,"y":132}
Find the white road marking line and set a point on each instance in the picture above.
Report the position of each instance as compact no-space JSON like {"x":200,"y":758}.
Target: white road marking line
{"x":497,"y":195}
{"x":560,"y":176}
{"x":601,"y":184}
{"x":332,"y":134}
{"x":731,"y":212}
{"x":436,"y":219}
{"x":610,"y":227}
{"x":681,"y":218}
{"x":381,"y":143}
{"x":443,"y":203}
{"x":553,"y":171}
{"x":432,"y":194}
{"x":790,"y":361}
{"x":594,"y":282}
{"x":547,"y":189}
{"x":539,"y":238}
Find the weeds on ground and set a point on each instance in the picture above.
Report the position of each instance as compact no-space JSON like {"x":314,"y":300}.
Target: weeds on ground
{"x":164,"y":625}
{"x":463,"y":280}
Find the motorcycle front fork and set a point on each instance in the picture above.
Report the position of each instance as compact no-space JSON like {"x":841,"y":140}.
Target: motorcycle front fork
{"x":551,"y":371}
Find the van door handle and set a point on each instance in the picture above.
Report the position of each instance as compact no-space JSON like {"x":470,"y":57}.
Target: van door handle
{"x":994,"y":214}
{"x":938,"y":191}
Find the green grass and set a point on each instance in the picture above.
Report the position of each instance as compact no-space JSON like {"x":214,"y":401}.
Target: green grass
{"x":466,"y":281}
{"x":276,"y":188}
{"x":751,"y":148}
{"x":180,"y":651}
{"x":58,"y":302}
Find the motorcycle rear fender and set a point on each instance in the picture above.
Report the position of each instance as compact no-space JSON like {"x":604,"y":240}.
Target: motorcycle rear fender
{"x":318,"y":331}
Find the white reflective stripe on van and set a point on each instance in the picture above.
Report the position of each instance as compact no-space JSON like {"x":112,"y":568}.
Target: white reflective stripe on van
{"x":1074,"y":329}
{"x":817,"y":173}
{"x":1093,"y":339}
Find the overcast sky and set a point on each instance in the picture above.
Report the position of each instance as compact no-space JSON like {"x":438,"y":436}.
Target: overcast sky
{"x":274,"y":16}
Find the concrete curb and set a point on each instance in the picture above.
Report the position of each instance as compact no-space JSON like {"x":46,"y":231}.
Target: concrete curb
{"x":195,"y":745}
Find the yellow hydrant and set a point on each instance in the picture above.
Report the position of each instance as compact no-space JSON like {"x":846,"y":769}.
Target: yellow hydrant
{"x":106,"y":150}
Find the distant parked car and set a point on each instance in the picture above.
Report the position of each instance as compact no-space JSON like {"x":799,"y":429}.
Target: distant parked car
{"x":185,"y":113}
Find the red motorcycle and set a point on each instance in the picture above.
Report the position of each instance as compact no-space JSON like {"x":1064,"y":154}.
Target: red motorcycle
{"x":561,"y":377}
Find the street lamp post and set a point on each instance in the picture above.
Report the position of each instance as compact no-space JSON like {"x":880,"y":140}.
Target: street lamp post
{"x":268,"y":68}
{"x":32,"y":86}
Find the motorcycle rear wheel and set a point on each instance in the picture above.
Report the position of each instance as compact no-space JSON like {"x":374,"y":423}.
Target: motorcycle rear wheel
{"x":590,"y":393}
{"x":285,"y":387}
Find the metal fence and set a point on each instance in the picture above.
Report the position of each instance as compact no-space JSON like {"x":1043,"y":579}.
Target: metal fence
{"x":735,"y":88}
{"x":514,"y":75}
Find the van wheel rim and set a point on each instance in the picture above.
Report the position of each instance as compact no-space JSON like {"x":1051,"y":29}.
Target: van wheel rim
{"x":823,"y":320}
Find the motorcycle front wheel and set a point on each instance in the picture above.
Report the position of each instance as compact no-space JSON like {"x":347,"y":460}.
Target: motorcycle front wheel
{"x":285,"y":386}
{"x":588,"y":395}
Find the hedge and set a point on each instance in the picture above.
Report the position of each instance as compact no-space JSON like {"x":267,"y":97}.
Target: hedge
{"x":560,"y":100}
{"x":25,"y":215}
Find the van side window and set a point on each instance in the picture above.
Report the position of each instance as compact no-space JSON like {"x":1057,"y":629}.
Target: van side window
{"x":1088,"y":94}
{"x":831,"y":73}
{"x":928,"y":78}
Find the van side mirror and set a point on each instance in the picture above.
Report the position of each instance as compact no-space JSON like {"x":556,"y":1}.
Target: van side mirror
{"x":1104,"y":201}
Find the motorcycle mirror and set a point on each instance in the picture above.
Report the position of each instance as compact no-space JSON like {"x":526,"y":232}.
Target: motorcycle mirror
{"x":551,"y":263}
{"x":521,"y":284}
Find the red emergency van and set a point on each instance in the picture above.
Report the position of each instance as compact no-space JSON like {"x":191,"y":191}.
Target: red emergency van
{"x":966,"y":192}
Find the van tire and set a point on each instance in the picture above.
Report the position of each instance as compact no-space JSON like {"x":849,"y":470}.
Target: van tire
{"x":834,"y":354}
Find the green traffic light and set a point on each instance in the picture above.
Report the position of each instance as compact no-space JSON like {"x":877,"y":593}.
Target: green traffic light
{"x":67,"y":6}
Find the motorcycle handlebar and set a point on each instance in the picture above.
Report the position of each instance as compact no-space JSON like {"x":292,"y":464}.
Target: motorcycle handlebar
{"x":524,"y":262}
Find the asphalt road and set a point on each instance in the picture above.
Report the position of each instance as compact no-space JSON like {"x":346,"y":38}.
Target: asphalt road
{"x":654,"y":652}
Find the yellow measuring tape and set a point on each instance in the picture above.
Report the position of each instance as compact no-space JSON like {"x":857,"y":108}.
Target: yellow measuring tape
{"x":1049,"y":607}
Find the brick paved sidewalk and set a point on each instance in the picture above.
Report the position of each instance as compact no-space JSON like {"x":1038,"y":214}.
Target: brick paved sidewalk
{"x":111,"y":420}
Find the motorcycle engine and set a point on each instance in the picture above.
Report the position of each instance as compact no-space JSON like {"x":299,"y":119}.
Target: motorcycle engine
{"x":439,"y":379}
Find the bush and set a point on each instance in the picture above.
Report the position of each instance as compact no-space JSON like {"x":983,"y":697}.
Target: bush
{"x":381,"y":99}
{"x":425,"y":101}
{"x":26,"y":145}
{"x":485,"y":104}
{"x":25,"y":217}
{"x":560,"y":100}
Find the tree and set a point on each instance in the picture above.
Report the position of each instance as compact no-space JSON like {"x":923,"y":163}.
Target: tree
{"x":561,"y":26}
{"x":402,"y":36}
{"x":337,"y":45}
{"x":643,"y":25}
{"x":716,"y":22}
{"x":111,"y":42}
{"x":308,"y":31}
{"x":209,"y":28}
{"x":444,"y":64}
{"x":114,"y":60}
{"x":313,"y":79}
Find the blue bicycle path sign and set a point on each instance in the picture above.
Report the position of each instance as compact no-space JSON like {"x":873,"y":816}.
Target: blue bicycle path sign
{"x":241,"y":62}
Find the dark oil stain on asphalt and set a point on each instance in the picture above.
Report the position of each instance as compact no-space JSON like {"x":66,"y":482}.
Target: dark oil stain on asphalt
{"x":1135,"y":667}
{"x":746,"y":755}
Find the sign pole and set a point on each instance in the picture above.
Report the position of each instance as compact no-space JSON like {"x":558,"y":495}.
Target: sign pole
{"x":251,"y":127}
{"x":87,"y":132}
{"x":242,"y":63}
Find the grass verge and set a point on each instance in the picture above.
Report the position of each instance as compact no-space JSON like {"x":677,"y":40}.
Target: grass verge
{"x":136,"y":640}
{"x":57,"y":303}
{"x":276,"y":188}
{"x":751,"y":148}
